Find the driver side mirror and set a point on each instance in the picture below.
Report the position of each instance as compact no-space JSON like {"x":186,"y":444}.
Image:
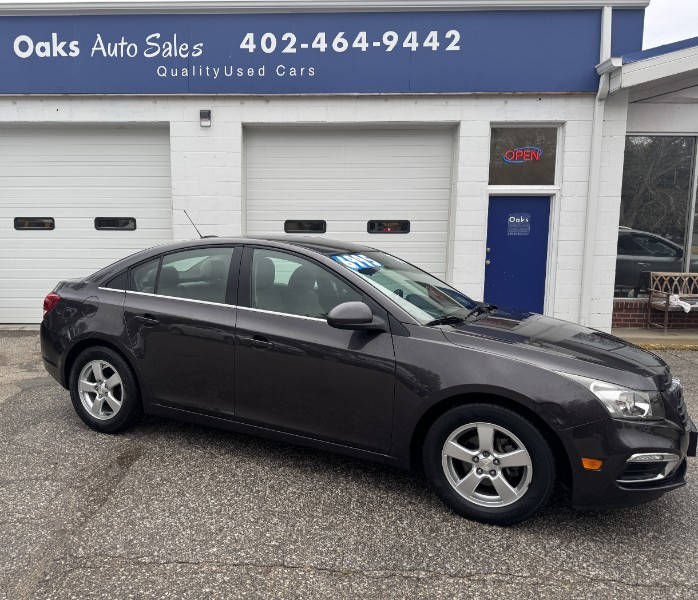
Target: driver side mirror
{"x":354,"y":315}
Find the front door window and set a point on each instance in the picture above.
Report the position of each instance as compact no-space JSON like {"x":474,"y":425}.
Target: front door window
{"x":289,"y":284}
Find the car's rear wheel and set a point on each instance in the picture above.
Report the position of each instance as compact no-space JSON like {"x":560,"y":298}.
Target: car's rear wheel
{"x":489,"y":463}
{"x":104,"y":390}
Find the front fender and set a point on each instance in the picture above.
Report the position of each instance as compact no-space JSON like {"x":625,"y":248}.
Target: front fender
{"x":431,"y":371}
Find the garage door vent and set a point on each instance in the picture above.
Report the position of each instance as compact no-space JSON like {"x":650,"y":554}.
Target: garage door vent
{"x":115,"y":223}
{"x":34,"y":223}
{"x":305,"y":226}
{"x":388,"y":227}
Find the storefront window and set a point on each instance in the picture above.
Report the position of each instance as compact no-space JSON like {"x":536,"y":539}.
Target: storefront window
{"x":655,"y":209}
{"x":523,"y":155}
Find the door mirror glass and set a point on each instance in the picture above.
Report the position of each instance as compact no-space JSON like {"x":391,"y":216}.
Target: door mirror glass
{"x":351,"y":315}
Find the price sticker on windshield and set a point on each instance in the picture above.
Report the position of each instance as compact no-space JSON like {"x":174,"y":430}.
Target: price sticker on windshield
{"x":356,"y":262}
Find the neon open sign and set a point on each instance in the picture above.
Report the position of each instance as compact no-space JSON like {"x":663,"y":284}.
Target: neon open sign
{"x":522,"y":155}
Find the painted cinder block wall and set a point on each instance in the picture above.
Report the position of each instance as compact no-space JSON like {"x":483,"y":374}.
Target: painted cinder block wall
{"x":208,"y":166}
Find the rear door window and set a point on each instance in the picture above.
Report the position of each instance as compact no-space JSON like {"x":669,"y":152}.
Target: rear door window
{"x":144,"y":276}
{"x":200,"y":274}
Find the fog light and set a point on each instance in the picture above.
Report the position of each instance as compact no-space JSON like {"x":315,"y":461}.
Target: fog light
{"x":592,"y":464}
{"x":647,"y":458}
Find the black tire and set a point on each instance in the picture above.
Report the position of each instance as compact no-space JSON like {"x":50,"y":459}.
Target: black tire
{"x":535,"y":485}
{"x":131,"y":408}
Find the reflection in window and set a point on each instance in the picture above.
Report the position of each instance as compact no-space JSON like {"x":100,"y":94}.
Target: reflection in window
{"x":655,"y":208}
{"x":656,"y":185}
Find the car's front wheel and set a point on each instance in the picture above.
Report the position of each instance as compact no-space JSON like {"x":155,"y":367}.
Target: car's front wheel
{"x":104,"y":390}
{"x":489,"y":463}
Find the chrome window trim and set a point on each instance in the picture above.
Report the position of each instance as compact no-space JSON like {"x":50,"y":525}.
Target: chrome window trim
{"x":273,"y":312}
{"x":182,"y":299}
{"x":106,"y":289}
{"x":259,"y":310}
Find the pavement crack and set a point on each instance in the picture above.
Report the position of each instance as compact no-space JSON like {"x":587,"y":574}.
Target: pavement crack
{"x":91,"y":562}
{"x":96,"y":488}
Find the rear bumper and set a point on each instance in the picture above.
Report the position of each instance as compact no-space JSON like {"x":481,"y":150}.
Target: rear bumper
{"x":615,"y":442}
{"x":51,"y":353}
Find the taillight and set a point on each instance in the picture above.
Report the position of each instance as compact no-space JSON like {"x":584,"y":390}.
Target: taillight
{"x":50,"y":301}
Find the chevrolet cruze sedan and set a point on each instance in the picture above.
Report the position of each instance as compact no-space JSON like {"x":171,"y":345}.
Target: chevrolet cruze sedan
{"x":349,"y":349}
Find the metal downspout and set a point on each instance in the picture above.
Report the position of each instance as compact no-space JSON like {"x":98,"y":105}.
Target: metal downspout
{"x":595,"y":172}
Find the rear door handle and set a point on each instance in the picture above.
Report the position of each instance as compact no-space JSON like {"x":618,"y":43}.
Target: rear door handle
{"x":258,"y":342}
{"x":643,"y":264}
{"x":148,"y":320}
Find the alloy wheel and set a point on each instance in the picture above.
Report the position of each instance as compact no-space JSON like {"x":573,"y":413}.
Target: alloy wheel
{"x":487,"y":464}
{"x":101,"y":390}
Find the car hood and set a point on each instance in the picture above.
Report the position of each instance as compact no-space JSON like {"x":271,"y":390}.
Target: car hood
{"x":530,"y":332}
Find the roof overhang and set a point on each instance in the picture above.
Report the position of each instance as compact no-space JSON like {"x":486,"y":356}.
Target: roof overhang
{"x":665,"y":67}
{"x":29,"y":7}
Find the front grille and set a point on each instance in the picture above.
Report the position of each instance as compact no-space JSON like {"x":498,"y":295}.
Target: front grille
{"x":675,"y":394}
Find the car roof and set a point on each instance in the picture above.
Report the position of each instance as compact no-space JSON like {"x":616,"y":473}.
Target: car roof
{"x":318,"y":245}
{"x":314,"y":244}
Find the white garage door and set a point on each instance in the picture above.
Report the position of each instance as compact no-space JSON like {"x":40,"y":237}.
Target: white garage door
{"x":349,"y":176}
{"x":74,"y":174}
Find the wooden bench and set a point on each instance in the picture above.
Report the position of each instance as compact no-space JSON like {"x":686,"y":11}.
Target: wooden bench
{"x":663,"y":285}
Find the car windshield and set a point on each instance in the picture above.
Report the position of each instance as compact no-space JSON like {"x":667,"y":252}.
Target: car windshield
{"x":421,"y":295}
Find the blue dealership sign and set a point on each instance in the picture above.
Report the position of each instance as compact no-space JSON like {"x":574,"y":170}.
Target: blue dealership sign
{"x":329,"y":53}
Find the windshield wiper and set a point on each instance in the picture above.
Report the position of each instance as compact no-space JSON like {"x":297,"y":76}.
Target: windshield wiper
{"x":480,"y":309}
{"x":447,"y":320}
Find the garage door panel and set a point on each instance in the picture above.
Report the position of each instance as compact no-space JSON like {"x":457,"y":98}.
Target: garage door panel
{"x":105,"y":196}
{"x":348,"y":176}
{"x":314,"y":199}
{"x":93,"y":175}
{"x":101,"y":253}
{"x":74,"y":174}
{"x":433,"y":173}
{"x":118,"y":245}
{"x":258,"y":217}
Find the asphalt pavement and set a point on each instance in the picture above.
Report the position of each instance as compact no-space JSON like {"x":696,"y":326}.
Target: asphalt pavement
{"x":172,"y":510}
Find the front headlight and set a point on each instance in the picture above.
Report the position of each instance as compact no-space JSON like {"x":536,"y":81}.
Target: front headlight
{"x":622,"y":403}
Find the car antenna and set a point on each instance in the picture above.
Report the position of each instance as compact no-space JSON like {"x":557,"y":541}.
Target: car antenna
{"x":194,"y":226}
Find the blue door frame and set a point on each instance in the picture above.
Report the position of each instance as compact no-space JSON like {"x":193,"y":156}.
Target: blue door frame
{"x":517,"y":251}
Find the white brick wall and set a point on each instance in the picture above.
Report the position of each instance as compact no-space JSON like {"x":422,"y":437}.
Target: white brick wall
{"x":608,"y":214}
{"x":207,"y":165}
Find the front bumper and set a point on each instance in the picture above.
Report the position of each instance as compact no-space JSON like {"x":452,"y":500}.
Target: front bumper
{"x":621,"y":481}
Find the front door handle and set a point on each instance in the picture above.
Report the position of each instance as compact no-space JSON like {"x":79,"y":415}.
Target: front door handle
{"x":258,"y":342}
{"x":147,"y":320}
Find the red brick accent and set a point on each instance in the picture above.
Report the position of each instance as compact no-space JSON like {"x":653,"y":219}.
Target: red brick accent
{"x":631,"y":312}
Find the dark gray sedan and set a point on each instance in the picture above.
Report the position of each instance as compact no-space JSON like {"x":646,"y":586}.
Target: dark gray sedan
{"x":352,"y":350}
